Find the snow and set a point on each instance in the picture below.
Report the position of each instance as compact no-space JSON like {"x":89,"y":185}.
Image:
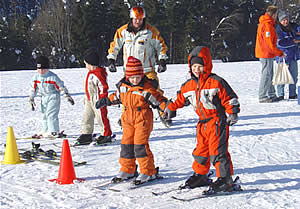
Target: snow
{"x":264,"y":147}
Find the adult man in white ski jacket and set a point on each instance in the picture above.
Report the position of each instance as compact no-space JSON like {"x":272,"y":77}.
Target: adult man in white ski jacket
{"x":141,"y":41}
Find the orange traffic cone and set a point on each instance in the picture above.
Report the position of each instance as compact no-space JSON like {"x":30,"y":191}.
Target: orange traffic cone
{"x":11,"y":155}
{"x":66,"y":173}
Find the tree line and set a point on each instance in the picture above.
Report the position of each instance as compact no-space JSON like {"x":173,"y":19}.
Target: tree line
{"x":64,"y":29}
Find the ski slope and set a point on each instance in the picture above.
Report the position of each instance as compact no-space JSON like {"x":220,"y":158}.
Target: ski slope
{"x":264,"y":146}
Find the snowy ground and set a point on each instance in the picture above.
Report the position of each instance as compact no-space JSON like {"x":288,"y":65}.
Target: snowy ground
{"x":264,"y":145}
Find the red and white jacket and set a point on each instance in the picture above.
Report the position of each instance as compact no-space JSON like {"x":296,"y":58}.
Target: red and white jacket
{"x":95,"y":84}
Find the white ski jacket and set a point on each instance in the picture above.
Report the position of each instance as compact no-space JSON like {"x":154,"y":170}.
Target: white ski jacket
{"x":143,"y":45}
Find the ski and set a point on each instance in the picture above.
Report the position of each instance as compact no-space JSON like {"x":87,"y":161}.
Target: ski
{"x":201,"y":196}
{"x":109,"y":184}
{"x":31,"y":158}
{"x":166,"y":191}
{"x":181,"y":187}
{"x":36,"y":150}
{"x":136,"y":186}
{"x":236,"y":189}
{"x":36,"y":136}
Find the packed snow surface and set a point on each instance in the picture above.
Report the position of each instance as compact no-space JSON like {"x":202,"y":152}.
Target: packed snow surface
{"x":264,"y":146}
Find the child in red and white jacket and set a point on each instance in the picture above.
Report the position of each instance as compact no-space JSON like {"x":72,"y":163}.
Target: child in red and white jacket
{"x":96,"y":88}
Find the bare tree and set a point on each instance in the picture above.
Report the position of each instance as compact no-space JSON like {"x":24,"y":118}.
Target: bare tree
{"x":51,"y":32}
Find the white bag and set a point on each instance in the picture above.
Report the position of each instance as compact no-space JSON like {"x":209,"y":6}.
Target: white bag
{"x":282,"y":74}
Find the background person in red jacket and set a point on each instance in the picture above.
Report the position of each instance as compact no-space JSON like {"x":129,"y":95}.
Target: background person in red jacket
{"x":211,"y":97}
{"x":266,"y":50}
{"x":96,"y":88}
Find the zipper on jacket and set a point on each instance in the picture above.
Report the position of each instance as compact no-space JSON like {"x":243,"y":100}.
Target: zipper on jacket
{"x":198,"y":85}
{"x":216,"y":128}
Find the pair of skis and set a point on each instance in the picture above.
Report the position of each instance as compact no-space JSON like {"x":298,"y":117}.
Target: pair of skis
{"x":37,"y":136}
{"x":52,"y":158}
{"x":133,"y":184}
{"x":235,"y":186}
{"x":130,"y":185}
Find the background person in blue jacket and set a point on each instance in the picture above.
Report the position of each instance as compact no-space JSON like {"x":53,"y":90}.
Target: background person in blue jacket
{"x":287,"y":41}
{"x":49,"y":86}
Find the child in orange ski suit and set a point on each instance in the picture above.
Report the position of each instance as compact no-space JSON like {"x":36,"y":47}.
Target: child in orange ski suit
{"x":211,"y":97}
{"x":137,"y":120}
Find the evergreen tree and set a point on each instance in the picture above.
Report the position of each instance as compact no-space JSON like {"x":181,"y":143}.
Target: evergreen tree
{"x":89,"y":28}
{"x":156,"y":16}
{"x":118,"y":15}
{"x":15,"y":48}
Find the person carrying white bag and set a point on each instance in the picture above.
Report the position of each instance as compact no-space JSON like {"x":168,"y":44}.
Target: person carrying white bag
{"x":287,"y":41}
{"x":282,"y":74}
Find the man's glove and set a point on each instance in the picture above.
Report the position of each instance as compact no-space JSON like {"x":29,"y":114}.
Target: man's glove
{"x":162,"y":66}
{"x":232,"y":119}
{"x":102,"y":103}
{"x":169,"y":113}
{"x":32,"y":104}
{"x":112,"y":65}
{"x":69,"y":99}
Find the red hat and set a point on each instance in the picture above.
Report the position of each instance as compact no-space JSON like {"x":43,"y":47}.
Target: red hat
{"x":133,"y":67}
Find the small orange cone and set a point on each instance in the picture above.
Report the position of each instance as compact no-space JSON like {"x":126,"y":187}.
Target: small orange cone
{"x":11,"y":155}
{"x":66,"y":173}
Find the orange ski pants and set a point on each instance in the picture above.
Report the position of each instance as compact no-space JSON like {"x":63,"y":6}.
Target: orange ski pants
{"x":137,"y":127}
{"x":212,"y":147}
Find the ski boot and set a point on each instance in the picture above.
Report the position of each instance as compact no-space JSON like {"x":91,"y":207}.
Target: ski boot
{"x":123,"y":176}
{"x":103,"y":140}
{"x":84,"y":139}
{"x":222,"y":184}
{"x":143,"y":178}
{"x":197,"y":180}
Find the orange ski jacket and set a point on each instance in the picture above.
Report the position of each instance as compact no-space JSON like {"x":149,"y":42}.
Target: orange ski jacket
{"x":266,"y":38}
{"x":138,"y":98}
{"x":210,"y":95}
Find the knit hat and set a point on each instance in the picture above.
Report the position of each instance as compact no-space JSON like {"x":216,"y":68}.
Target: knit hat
{"x":133,"y":67}
{"x":92,"y":57}
{"x":282,"y":15}
{"x":197,"y":60}
{"x":42,"y":62}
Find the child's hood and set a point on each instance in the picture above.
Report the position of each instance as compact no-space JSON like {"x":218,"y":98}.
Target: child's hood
{"x":203,"y":52}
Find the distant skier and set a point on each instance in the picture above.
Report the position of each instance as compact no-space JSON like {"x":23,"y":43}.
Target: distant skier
{"x":211,"y":97}
{"x":49,"y":86}
{"x":96,"y":88}
{"x":137,"y":93}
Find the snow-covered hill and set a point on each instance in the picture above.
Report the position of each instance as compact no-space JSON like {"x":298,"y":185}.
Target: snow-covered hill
{"x":264,"y":145}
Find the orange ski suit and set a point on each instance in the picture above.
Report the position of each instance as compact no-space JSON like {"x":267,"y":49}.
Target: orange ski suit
{"x":211,"y":96}
{"x":137,"y":123}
